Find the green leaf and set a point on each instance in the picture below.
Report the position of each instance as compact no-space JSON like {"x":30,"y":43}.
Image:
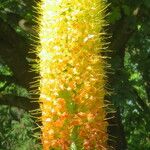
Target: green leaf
{"x":126,"y":10}
{"x":115,"y":15}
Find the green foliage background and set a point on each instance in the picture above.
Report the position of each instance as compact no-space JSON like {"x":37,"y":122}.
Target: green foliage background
{"x":129,"y":78}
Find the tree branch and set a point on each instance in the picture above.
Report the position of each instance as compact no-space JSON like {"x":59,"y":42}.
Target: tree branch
{"x":17,"y":101}
{"x":14,"y":50}
{"x":141,"y":102}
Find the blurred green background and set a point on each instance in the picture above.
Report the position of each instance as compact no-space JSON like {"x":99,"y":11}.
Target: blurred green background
{"x":128,"y":78}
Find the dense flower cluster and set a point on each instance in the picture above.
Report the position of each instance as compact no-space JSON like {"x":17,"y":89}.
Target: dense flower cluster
{"x":72,"y":74}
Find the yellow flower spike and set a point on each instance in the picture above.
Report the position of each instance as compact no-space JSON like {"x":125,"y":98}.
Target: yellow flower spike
{"x":72,"y":76}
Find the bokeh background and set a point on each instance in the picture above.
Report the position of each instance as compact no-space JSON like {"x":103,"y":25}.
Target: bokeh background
{"x":128,"y":76}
